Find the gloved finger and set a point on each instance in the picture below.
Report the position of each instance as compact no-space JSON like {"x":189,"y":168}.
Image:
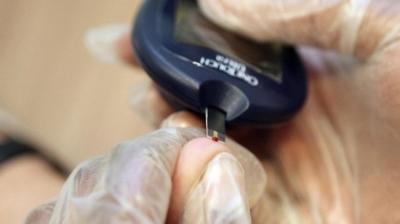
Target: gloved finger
{"x":41,"y":214}
{"x":111,"y":43}
{"x":130,"y":185}
{"x":182,"y":119}
{"x":220,"y":196}
{"x":124,"y":49}
{"x":189,"y":170}
{"x":356,"y":27}
{"x":244,"y":135}
{"x":81,"y":184}
{"x":147,"y":101}
{"x":255,"y":174}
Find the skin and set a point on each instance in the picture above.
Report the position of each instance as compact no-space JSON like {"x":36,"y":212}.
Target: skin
{"x":192,"y":162}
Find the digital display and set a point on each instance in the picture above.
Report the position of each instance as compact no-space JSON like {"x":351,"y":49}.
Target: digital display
{"x":191,"y":27}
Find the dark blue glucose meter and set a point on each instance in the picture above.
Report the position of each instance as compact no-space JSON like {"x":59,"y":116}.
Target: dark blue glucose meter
{"x":208,"y":70}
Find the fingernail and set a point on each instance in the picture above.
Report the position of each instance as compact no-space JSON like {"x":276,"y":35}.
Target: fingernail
{"x":220,"y":194}
{"x":101,"y":41}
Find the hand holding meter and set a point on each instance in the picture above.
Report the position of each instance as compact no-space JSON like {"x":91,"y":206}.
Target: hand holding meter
{"x":206,"y":69}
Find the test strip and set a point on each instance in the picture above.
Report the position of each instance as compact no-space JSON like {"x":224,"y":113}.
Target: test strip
{"x":215,"y":124}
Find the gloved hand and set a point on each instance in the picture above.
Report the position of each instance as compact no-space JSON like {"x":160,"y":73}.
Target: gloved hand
{"x":174,"y":172}
{"x":338,"y":160}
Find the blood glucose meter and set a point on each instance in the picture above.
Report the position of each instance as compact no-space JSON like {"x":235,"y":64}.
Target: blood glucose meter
{"x":202,"y":67}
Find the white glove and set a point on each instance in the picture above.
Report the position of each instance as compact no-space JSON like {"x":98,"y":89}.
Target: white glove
{"x":141,"y":180}
{"x":338,"y":161}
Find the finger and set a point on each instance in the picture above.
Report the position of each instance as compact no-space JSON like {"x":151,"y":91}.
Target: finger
{"x":132,"y":184}
{"x":244,"y":135}
{"x":193,"y":158}
{"x":220,"y":196}
{"x":124,"y":49}
{"x":81,"y":183}
{"x":111,"y":43}
{"x":147,"y":101}
{"x":255,"y":175}
{"x":356,"y":27}
{"x":182,"y":119}
{"x":192,"y":163}
{"x":41,"y":214}
{"x":145,"y":167}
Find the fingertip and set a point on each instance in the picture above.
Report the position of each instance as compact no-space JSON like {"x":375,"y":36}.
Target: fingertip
{"x":124,"y":49}
{"x":192,"y":162}
{"x":205,"y":143}
{"x":182,"y":119}
{"x":111,"y":43}
{"x":200,"y":151}
{"x":147,"y":101}
{"x":220,"y":194}
{"x":101,"y":41}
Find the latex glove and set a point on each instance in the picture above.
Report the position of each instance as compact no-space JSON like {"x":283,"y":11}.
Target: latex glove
{"x":195,"y":179}
{"x":339,"y":160}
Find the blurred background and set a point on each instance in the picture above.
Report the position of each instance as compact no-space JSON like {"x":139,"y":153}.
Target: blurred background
{"x":53,"y":93}
{"x":52,"y":90}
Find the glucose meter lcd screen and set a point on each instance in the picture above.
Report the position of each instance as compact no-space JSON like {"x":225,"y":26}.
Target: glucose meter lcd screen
{"x":191,"y":27}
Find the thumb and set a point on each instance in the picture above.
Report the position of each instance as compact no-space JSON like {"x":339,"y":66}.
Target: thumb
{"x":233,"y":181}
{"x":220,"y":195}
{"x":356,"y":27}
